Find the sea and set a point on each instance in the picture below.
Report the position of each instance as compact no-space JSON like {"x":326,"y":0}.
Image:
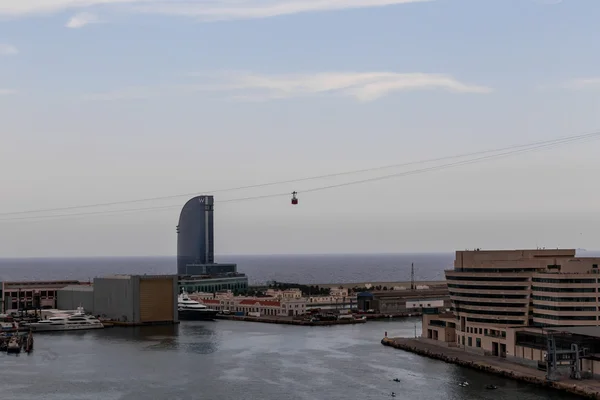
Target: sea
{"x":310,"y":269}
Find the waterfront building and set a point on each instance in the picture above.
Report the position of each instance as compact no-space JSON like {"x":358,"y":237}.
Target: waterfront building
{"x":496,"y":294}
{"x":71,"y":297}
{"x":403,"y":301}
{"x":28,"y":295}
{"x":195,"y":236}
{"x":212,"y":284}
{"x":293,"y":293}
{"x":196,"y":264}
{"x":136,"y":299}
{"x":269,"y":306}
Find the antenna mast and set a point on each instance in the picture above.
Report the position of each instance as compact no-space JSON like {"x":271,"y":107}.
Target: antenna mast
{"x":412,"y":276}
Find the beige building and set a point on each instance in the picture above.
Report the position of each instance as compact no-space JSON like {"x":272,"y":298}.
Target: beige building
{"x":495,"y":294}
{"x":290,"y":305}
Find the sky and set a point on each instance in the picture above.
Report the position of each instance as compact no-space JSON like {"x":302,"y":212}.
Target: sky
{"x":105,"y":101}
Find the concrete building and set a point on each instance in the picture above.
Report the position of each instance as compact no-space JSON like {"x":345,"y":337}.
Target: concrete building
{"x":71,"y":297}
{"x":137,"y":299}
{"x":31,"y":294}
{"x":402,"y":301}
{"x":494,"y":294}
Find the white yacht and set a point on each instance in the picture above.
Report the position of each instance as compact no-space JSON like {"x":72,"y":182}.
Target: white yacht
{"x":67,"y":322}
{"x":191,"y":310}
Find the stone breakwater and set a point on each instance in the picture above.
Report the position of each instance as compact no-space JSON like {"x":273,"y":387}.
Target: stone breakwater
{"x":416,"y":347}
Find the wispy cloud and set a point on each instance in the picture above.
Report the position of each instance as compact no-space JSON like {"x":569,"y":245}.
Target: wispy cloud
{"x":205,"y":10}
{"x":361,"y":86}
{"x":584,"y":83}
{"x":7,"y":49}
{"x":82,"y":19}
{"x":6,"y":92}
{"x":547,"y":2}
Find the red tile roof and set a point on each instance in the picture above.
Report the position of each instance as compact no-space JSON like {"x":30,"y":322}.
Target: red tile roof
{"x":263,"y":303}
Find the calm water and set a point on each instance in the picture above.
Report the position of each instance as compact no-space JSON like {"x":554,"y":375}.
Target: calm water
{"x":241,"y":360}
{"x":290,"y":268}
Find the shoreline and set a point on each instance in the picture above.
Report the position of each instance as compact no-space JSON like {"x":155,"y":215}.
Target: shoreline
{"x":436,"y":352}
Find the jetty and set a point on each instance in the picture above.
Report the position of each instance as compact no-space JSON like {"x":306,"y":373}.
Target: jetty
{"x":15,"y":342}
{"x":495,"y":365}
{"x":292,"y":321}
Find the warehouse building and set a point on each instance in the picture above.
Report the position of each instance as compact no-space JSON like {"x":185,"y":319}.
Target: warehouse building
{"x":137,"y":299}
{"x":71,"y":297}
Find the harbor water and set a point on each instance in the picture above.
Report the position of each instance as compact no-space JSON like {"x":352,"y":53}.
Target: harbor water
{"x":243,"y":360}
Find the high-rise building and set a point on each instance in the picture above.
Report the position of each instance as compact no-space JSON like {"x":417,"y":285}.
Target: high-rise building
{"x":195,"y":236}
{"x":196,"y":264}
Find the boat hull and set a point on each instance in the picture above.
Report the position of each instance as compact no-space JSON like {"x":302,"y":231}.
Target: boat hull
{"x":193,"y":315}
{"x":58,"y":328}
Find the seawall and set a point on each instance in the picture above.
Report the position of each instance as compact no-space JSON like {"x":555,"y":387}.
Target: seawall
{"x":289,"y":321}
{"x":516,"y":372}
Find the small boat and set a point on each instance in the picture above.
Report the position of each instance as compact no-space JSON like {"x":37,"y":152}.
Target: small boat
{"x":396,"y":380}
{"x":491,"y":387}
{"x":14,"y":345}
{"x":463,"y":384}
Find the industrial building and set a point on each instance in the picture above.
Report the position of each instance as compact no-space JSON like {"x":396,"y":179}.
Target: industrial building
{"x":71,"y":297}
{"x":27,"y":295}
{"x":196,"y":264}
{"x":132,"y":299}
{"x":496,"y":294}
{"x":402,"y":301}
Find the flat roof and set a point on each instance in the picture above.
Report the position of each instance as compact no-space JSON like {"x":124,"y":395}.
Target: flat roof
{"x":592,"y":331}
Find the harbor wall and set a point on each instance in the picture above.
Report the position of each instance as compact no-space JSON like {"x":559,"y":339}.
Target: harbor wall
{"x":514,"y":371}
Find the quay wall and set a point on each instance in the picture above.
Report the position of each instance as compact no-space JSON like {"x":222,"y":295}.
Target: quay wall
{"x":288,"y":321}
{"x":416,"y":347}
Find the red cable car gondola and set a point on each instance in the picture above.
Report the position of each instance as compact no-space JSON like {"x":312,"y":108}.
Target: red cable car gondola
{"x":294,"y":198}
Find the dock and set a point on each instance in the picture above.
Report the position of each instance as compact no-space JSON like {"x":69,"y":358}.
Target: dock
{"x":495,"y":365}
{"x":291,"y":320}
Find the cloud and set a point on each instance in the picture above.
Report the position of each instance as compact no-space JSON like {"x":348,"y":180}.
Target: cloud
{"x":361,"y":86}
{"x":82,"y":19}
{"x":204,"y":10}
{"x":547,"y":2}
{"x":7,"y":49}
{"x":6,"y":92}
{"x":585,"y":83}
{"x":252,"y":9}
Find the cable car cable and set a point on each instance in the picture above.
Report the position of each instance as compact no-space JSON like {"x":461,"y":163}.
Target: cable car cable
{"x":373,"y":179}
{"x":559,"y":140}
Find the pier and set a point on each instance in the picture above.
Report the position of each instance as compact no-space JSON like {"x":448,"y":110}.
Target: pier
{"x":495,"y":365}
{"x":291,"y":320}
